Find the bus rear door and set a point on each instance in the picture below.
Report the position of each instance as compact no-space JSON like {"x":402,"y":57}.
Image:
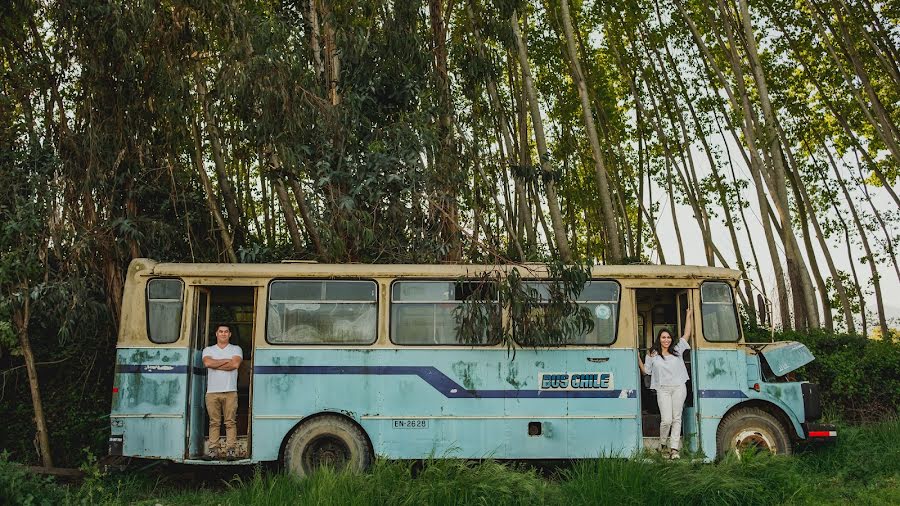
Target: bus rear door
{"x":151,"y":379}
{"x":196,"y":401}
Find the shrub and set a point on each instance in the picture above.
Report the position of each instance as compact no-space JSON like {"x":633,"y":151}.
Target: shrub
{"x":20,"y":487}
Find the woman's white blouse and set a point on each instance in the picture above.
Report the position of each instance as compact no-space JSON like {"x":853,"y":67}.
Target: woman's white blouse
{"x":670,"y":370}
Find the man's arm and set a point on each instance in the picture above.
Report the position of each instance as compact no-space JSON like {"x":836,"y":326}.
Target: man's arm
{"x":214,"y":363}
{"x":230,"y":365}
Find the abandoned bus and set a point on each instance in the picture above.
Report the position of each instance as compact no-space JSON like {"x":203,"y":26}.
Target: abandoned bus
{"x":345,"y":362}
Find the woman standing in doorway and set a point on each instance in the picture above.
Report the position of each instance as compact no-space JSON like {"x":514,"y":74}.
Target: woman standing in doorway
{"x":668,"y":376}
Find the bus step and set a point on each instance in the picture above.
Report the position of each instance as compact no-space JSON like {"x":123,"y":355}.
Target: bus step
{"x":219,"y":462}
{"x":651,"y":443}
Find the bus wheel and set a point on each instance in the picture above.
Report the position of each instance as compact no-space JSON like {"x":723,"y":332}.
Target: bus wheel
{"x":752,"y":429}
{"x":327,"y":441}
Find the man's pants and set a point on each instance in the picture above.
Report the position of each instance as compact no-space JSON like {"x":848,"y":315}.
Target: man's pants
{"x":217,"y":405}
{"x":671,"y":404}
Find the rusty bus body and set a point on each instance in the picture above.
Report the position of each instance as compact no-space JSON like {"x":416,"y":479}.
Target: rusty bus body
{"x":345,"y":362}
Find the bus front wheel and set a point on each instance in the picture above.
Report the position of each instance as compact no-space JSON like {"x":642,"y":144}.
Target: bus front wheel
{"x":327,"y":441}
{"x":752,"y":429}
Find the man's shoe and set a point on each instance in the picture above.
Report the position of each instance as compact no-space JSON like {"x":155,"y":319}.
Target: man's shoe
{"x":231,"y":454}
{"x":210,"y":455}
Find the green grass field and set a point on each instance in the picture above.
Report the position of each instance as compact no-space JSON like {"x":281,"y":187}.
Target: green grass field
{"x":863,"y":468}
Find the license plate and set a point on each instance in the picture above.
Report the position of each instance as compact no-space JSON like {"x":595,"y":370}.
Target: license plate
{"x":410,"y":424}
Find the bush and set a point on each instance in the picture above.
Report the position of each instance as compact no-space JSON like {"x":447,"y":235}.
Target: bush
{"x":18,"y":486}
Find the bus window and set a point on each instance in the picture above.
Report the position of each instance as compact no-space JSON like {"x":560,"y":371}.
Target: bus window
{"x":164,"y":304}
{"x":422,"y":312}
{"x":601,"y":299}
{"x":322,"y":312}
{"x":719,"y":315}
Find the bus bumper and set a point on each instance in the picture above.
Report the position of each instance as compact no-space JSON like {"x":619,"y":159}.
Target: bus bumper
{"x":820,"y":432}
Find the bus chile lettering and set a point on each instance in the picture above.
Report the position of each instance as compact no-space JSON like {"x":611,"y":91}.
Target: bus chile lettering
{"x":577,"y":381}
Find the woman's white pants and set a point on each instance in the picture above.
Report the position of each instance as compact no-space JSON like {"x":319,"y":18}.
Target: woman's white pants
{"x":671,"y":404}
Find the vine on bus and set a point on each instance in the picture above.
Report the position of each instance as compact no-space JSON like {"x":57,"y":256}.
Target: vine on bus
{"x":541,"y":310}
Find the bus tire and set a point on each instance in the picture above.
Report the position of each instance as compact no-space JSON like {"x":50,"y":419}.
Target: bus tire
{"x":748,"y":428}
{"x":327,"y":440}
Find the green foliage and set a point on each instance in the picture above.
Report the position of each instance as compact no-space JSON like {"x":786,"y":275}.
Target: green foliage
{"x":18,"y":486}
{"x":543,"y":315}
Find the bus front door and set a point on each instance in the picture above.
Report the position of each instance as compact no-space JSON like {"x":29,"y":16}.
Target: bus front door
{"x":196,"y":402}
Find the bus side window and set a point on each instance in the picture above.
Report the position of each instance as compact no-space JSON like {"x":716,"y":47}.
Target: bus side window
{"x":422,"y":312}
{"x":720,"y":322}
{"x":322,"y":312}
{"x":165,"y":300}
{"x":601,"y":300}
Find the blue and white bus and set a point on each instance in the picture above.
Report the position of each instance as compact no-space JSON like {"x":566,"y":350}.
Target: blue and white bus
{"x":343,"y":363}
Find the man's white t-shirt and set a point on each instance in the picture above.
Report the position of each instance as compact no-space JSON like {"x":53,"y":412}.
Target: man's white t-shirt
{"x":668,"y":371}
{"x":221,"y":381}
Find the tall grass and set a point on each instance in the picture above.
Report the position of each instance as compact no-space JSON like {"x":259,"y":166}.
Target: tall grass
{"x":863,"y":468}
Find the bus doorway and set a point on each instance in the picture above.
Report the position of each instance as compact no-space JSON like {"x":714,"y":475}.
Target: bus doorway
{"x":214,"y":306}
{"x":657,"y":309}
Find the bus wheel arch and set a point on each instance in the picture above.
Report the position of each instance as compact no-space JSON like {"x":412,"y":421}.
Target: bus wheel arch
{"x":755,"y":423}
{"x":326,"y":438}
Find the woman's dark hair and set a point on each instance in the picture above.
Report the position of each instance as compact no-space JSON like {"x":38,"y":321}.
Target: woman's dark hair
{"x":658,"y":347}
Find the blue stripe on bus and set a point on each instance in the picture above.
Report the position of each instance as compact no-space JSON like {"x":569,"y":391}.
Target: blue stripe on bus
{"x":722,"y":394}
{"x":151,"y":369}
{"x":441,"y":382}
{"x":158,"y":369}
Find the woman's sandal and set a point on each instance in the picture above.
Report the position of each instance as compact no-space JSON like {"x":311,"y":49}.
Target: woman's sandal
{"x":674,"y":455}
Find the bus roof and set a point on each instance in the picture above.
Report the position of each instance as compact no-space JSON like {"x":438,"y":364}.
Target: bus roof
{"x":152,"y":268}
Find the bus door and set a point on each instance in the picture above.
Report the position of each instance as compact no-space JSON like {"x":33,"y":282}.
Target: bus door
{"x":196,"y":401}
{"x":691,"y":417}
{"x":720,"y":368}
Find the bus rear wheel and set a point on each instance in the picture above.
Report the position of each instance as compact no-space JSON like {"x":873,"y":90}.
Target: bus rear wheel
{"x":752,"y":429}
{"x":327,"y":441}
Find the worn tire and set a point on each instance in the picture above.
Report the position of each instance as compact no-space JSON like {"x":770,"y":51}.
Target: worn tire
{"x":752,"y":428}
{"x":327,"y":440}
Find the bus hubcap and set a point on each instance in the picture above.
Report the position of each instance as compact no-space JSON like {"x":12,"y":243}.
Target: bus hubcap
{"x":327,"y":451}
{"x":754,"y":438}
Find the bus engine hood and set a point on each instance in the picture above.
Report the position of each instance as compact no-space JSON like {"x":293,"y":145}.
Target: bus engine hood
{"x":786,"y":356}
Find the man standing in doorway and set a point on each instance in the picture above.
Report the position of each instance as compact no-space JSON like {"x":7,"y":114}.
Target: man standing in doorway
{"x":222,"y":361}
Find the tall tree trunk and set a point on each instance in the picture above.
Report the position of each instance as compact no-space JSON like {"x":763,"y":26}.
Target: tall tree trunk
{"x":305,"y":214}
{"x":526,"y":216}
{"x":607,"y":211}
{"x":211,"y":203}
{"x":290,"y":218}
{"x":562,"y":242}
{"x":778,"y":180}
{"x":805,"y":202}
{"x":508,"y":145}
{"x":215,"y":144}
{"x":863,"y":235}
{"x":887,"y":234}
{"x":21,"y":317}
{"x":447,"y":171}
